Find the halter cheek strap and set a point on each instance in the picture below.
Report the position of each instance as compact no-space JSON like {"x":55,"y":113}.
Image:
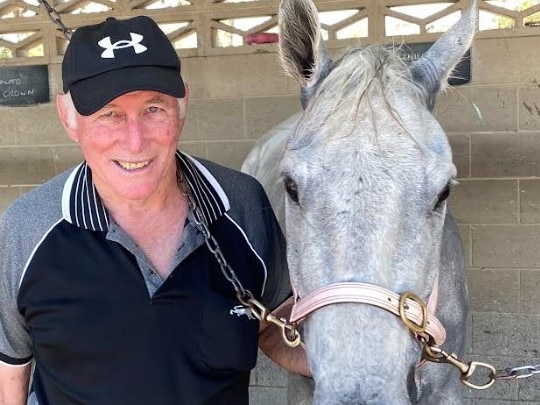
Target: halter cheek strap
{"x":411,"y":310}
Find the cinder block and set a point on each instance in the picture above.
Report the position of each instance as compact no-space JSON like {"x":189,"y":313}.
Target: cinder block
{"x":499,"y":334}
{"x":8,"y":134}
{"x":465,"y":233}
{"x":485,"y":201}
{"x":66,"y":157}
{"x":506,"y":60}
{"x":189,"y":131}
{"x":264,"y":76}
{"x":505,"y":155}
{"x":529,"y":108}
{"x":26,"y":165}
{"x":55,"y":81}
{"x":461,"y":154}
{"x":7,"y":195}
{"x":530,"y":292}
{"x":506,"y":246}
{"x":230,"y":154}
{"x":26,"y":189}
{"x":529,"y":201}
{"x":39,"y":126}
{"x":494,"y":290}
{"x":192,"y":77}
{"x":218,"y":119}
{"x":478,"y":109}
{"x":218,"y":76}
{"x":196,"y":149}
{"x":263,"y":113}
{"x":267,"y":373}
{"x":468,"y":341}
{"x":267,"y":396}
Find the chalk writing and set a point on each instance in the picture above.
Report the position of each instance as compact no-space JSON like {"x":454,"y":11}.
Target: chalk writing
{"x":10,"y":81}
{"x":24,"y":85}
{"x":18,"y":93}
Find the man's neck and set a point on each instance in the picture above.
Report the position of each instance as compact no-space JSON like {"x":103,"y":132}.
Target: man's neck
{"x":156,"y":229}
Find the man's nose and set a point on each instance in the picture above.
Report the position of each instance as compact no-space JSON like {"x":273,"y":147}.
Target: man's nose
{"x":134,"y":138}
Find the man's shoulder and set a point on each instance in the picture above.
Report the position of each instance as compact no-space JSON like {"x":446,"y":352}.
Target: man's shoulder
{"x":233,"y":182}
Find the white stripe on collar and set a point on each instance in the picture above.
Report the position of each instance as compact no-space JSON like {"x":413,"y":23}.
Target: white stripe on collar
{"x":82,"y":206}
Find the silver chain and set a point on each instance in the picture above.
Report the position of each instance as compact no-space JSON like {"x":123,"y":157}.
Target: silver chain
{"x":214,"y":248}
{"x":55,"y":18}
{"x":517,"y":373}
{"x":289,"y":332}
{"x":242,"y":294}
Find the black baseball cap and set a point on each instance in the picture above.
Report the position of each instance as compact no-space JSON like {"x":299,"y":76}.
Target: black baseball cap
{"x":106,"y":60}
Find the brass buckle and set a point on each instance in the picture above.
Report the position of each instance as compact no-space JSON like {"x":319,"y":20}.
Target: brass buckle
{"x":418,"y":329}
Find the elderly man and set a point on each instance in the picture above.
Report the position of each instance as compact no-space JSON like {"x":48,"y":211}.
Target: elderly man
{"x":108,"y":282}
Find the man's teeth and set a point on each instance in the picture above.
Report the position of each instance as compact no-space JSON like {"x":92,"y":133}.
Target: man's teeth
{"x":132,"y":166}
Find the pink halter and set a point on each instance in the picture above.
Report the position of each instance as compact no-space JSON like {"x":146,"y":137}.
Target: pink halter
{"x":377,"y":296}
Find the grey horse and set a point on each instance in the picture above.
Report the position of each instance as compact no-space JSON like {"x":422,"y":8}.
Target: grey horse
{"x":359,"y":181}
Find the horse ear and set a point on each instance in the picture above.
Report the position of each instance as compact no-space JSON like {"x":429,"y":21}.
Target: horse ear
{"x":432,"y":70}
{"x":301,"y":47}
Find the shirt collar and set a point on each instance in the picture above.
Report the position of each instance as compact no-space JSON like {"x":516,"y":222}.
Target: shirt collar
{"x":83,"y":207}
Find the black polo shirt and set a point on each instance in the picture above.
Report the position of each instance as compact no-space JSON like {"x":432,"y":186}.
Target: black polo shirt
{"x":80,"y":298}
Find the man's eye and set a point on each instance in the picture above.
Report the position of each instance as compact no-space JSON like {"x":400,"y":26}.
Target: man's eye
{"x":110,"y":114}
{"x":153,"y":109}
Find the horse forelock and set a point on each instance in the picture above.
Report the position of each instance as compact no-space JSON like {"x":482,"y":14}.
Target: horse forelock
{"x":344,"y":94}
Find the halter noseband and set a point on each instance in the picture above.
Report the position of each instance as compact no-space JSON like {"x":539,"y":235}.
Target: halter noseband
{"x":418,"y":317}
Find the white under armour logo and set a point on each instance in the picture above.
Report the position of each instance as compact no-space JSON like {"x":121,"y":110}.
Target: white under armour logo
{"x":240,"y":310}
{"x":108,"y":53}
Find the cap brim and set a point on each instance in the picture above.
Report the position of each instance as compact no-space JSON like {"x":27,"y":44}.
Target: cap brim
{"x":92,"y":94}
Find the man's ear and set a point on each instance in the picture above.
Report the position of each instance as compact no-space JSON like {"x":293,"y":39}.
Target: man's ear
{"x":67,"y":114}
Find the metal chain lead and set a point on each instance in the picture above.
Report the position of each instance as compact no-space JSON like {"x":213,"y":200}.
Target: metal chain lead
{"x":213,"y":246}
{"x":289,"y":332}
{"x":436,"y":354}
{"x":55,"y":18}
{"x":517,"y":373}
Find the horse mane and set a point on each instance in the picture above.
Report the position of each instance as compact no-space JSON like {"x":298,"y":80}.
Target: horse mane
{"x":357,"y":75}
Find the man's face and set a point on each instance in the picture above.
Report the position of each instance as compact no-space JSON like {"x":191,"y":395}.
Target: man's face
{"x":130,"y":145}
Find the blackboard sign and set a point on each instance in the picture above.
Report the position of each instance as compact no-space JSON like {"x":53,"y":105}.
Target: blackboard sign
{"x":460,"y":75}
{"x":24,"y":85}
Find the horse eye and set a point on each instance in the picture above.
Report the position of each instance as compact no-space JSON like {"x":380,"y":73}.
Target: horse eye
{"x":292,"y":188}
{"x":443,"y":195}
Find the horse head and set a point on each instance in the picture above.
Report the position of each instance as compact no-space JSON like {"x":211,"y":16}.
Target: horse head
{"x":367,"y":170}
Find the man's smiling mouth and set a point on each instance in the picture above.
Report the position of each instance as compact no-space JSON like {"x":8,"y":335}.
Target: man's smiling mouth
{"x":133,"y":166}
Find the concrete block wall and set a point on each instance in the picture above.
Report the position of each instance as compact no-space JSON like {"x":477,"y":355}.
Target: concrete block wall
{"x":494,"y":128}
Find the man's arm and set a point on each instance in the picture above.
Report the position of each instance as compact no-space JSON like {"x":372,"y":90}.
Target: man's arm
{"x":272,"y":345}
{"x":14,"y":382}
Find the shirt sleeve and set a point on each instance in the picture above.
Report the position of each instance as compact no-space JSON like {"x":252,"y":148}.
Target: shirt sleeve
{"x":14,"y":339}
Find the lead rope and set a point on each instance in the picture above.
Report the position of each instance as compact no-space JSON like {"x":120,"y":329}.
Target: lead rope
{"x":289,"y":331}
